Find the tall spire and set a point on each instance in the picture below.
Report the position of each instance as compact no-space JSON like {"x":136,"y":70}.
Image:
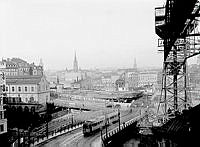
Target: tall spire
{"x":135,"y":64}
{"x":75,"y":63}
{"x":41,"y":63}
{"x":57,"y":80}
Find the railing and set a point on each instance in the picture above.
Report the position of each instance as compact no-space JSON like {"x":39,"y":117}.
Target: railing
{"x":122,"y":126}
{"x":41,"y":138}
{"x":108,"y":137}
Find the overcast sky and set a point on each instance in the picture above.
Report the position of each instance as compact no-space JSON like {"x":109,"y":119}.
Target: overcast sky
{"x":104,"y":33}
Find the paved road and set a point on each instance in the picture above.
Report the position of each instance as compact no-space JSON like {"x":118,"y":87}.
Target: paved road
{"x":76,"y":138}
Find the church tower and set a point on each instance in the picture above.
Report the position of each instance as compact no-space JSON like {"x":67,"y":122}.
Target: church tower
{"x":41,"y":63}
{"x":135,"y":65}
{"x":75,"y":64}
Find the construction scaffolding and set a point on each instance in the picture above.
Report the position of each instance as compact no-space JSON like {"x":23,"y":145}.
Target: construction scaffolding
{"x":177,"y":26}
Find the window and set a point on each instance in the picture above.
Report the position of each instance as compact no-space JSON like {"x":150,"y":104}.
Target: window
{"x":1,"y":128}
{"x":1,"y":101}
{"x":1,"y":115}
{"x":19,"y":89}
{"x":13,"y":89}
{"x":6,"y":88}
{"x":32,"y":88}
{"x":25,"y":89}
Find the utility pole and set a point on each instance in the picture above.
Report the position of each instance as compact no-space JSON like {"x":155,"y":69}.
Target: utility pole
{"x":47,"y":128}
{"x":29,"y":135}
{"x":106,"y":125}
{"x":101,"y":134}
{"x":18,"y":132}
{"x":72,"y":120}
{"x":47,"y":118}
{"x":119,"y":118}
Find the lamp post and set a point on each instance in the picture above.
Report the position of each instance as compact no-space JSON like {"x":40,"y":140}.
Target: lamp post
{"x":106,"y":125}
{"x":72,"y":120}
{"x":101,"y":132}
{"x":18,"y":133}
{"x":119,"y":118}
{"x":47,"y":128}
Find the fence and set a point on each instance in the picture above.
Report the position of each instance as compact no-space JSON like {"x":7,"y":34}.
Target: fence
{"x":41,"y":138}
{"x":32,"y":139}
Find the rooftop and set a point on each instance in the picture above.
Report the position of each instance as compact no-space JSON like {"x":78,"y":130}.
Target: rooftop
{"x":23,"y":80}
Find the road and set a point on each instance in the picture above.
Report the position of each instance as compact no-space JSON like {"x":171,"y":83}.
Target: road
{"x":76,"y":138}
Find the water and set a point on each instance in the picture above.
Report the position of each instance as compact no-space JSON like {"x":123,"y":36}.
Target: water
{"x":134,"y":142}
{"x":149,"y":141}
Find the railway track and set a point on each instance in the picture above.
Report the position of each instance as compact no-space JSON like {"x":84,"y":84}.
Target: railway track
{"x":89,"y":141}
{"x":76,"y":138}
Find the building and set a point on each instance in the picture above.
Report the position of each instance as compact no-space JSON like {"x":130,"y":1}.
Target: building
{"x":19,"y":67}
{"x":130,"y":77}
{"x":131,"y":80}
{"x":31,"y":89}
{"x":134,"y":79}
{"x":108,"y":82}
{"x":25,"y":81}
{"x":74,"y":75}
{"x":75,"y":64}
{"x":147,"y":78}
{"x":3,"y":120}
{"x":120,"y":85}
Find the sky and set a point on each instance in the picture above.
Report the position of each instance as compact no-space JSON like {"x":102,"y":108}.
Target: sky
{"x":104,"y":33}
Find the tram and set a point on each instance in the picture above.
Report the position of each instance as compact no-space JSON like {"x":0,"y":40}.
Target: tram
{"x":94,"y":125}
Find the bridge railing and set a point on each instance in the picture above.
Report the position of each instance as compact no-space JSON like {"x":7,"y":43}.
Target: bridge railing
{"x":106,"y":138}
{"x":44,"y":136}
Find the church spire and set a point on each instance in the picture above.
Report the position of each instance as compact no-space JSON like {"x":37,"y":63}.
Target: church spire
{"x":75,"y":63}
{"x":135,"y":64}
{"x":57,"y":80}
{"x":41,"y":63}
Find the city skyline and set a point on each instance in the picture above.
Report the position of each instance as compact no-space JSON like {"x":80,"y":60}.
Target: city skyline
{"x":104,"y":33}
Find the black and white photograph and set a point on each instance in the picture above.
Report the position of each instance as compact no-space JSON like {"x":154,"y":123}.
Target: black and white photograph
{"x":99,"y":73}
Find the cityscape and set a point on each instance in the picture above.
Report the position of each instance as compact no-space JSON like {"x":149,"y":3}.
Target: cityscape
{"x":67,"y":83}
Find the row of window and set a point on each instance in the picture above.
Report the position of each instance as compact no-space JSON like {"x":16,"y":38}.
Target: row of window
{"x":20,"y":89}
{"x":11,"y":73}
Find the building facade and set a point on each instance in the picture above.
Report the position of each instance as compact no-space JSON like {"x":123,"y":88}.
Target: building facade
{"x":147,"y":78}
{"x":19,"y":67}
{"x":3,"y":120}
{"x":131,"y":80}
{"x":25,"y":81}
{"x":31,"y":89}
{"x":134,"y":79}
{"x":71,"y":77}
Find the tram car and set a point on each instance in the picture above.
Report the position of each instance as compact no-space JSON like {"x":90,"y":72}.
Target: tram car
{"x":94,"y":125}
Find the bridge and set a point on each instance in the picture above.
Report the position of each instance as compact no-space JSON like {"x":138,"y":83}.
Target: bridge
{"x":124,"y":131}
{"x":176,"y":25}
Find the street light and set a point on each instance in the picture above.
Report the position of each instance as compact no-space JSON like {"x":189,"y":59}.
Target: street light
{"x":72,"y":119}
{"x":119,"y":118}
{"x":106,"y":125}
{"x":47,"y":119}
